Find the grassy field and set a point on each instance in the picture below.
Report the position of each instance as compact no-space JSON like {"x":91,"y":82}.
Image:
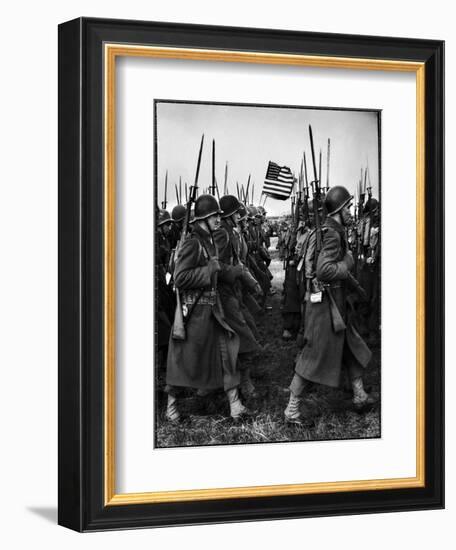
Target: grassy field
{"x":329,"y":412}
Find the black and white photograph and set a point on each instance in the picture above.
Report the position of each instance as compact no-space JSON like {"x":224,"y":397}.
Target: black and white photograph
{"x":268,"y":273}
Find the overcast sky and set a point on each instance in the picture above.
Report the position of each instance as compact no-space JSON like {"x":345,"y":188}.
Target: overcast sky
{"x":249,"y":137}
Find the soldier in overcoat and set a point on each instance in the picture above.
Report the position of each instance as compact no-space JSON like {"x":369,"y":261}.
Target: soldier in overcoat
{"x":231,"y":280}
{"x":165,"y":296}
{"x":331,"y":340}
{"x":207,"y":359}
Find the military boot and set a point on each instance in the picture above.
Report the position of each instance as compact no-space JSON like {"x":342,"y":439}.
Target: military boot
{"x":361,"y":399}
{"x":172,"y":412}
{"x":237,"y":410}
{"x":293,"y":411}
{"x":247,"y":387}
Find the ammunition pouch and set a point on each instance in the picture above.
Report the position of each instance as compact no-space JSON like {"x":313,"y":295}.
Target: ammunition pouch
{"x":204,"y":298}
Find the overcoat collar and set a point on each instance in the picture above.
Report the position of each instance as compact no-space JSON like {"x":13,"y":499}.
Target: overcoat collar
{"x":201,"y":233}
{"x":331,"y":222}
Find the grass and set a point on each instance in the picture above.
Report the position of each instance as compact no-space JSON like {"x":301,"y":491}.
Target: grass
{"x":329,"y":412}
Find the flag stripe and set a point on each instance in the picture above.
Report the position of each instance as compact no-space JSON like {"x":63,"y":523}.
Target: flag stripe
{"x":278,"y":182}
{"x":275,"y":187}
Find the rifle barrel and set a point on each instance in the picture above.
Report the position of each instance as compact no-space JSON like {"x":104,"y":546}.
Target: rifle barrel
{"x":213,"y":167}
{"x":327,"y":164}
{"x":199,"y":162}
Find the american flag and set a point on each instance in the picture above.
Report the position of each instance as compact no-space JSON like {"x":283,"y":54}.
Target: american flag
{"x":278,"y":182}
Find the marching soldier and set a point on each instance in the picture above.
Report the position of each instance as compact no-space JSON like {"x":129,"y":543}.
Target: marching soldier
{"x":234,"y":276}
{"x":369,"y":269}
{"x":165,"y":296}
{"x":206,"y":357}
{"x":281,"y":236}
{"x":249,"y":295}
{"x":330,"y":338}
{"x":177,"y":216}
{"x":294,"y":285}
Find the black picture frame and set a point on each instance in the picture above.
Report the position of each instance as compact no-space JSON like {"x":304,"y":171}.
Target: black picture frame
{"x":81,"y":322}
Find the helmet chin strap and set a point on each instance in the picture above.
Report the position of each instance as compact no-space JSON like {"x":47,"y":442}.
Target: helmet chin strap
{"x":209,"y":230}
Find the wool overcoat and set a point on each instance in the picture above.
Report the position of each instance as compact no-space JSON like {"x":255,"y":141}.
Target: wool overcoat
{"x":326,"y":351}
{"x":207,"y":358}
{"x":230,"y":295}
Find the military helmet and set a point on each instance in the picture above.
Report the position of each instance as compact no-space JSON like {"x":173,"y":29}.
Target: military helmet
{"x":370,"y":206}
{"x":178,"y":213}
{"x":205,"y":206}
{"x":229,"y":204}
{"x":163,"y":217}
{"x":336,"y":198}
{"x":262,"y":211}
{"x":242,"y":212}
{"x":252,"y":211}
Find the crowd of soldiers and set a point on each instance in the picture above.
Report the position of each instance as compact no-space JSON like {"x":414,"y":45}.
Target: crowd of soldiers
{"x":363,"y":232}
{"x":213,"y":281}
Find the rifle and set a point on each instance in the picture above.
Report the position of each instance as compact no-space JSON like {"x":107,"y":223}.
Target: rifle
{"x":217,"y":189}
{"x":327,"y":164}
{"x":178,"y":331}
{"x":213,"y":168}
{"x":316,"y":195}
{"x":164,"y":202}
{"x":225,"y":185}
{"x":246,"y":194}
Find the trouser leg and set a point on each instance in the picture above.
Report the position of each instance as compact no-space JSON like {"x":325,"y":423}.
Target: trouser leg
{"x":298,"y":385}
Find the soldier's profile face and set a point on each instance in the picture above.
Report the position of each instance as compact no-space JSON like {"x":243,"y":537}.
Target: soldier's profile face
{"x":346,"y":215}
{"x":166,"y":228}
{"x":236,"y":217}
{"x":214,"y":221}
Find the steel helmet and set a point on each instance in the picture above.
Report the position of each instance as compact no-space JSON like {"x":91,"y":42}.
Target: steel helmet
{"x":229,"y":204}
{"x":371,"y":205}
{"x":336,"y":198}
{"x":242,"y":212}
{"x":252,"y":211}
{"x":163,"y":217}
{"x":178,"y":213}
{"x":262,"y":211}
{"x":205,"y":206}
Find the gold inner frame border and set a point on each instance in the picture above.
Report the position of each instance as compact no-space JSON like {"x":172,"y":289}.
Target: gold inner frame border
{"x":110,"y":53}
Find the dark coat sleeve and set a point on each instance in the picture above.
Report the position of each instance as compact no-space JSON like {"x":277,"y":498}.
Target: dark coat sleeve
{"x":329,"y":266}
{"x":188,"y":273}
{"x":222,"y":242}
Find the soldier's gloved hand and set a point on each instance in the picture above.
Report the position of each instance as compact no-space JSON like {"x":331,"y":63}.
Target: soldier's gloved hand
{"x":348,"y":261}
{"x":213,"y":265}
